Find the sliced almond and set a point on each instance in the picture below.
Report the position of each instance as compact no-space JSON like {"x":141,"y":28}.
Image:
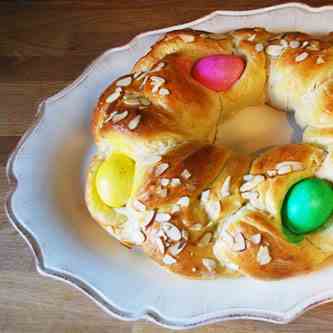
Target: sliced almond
{"x":274,"y":50}
{"x":263,"y":256}
{"x":160,"y":245}
{"x":284,"y":43}
{"x":209,"y":264}
{"x":301,"y":57}
{"x":134,"y":123}
{"x":187,"y":38}
{"x":139,"y":206}
{"x":119,"y":117}
{"x":148,"y":218}
{"x":320,"y":60}
{"x":161,"y":168}
{"x":184,"y":201}
{"x":168,"y":260}
{"x":294,"y":44}
{"x":252,"y":184}
{"x":124,"y":82}
{"x":252,"y":38}
{"x":114,"y":96}
{"x":239,"y":242}
{"x":177,"y":248}
{"x":205,"y":196}
{"x":185,"y":234}
{"x":213,"y":209}
{"x":185,"y":174}
{"x":271,"y":173}
{"x":164,"y":181}
{"x":259,"y":47}
{"x":162,"y":217}
{"x":164,"y":92}
{"x":255,"y":239}
{"x":158,"y":67}
{"x":175,"y":209}
{"x":175,"y":182}
{"x":305,"y":44}
{"x":171,"y":231}
{"x":225,"y":189}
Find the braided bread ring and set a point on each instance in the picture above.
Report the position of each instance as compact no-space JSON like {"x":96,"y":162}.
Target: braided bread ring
{"x":198,"y":208}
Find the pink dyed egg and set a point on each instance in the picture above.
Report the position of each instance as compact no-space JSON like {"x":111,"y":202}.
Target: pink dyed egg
{"x":218,"y":72}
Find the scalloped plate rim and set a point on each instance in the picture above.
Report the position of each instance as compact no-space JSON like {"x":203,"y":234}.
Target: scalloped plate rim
{"x":149,"y":314}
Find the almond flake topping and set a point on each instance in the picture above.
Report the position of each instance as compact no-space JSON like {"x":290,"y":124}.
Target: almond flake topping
{"x":184,"y":201}
{"x":139,"y":206}
{"x":259,"y":47}
{"x":164,"y":181}
{"x":177,"y":248}
{"x":271,"y":173}
{"x":134,"y":123}
{"x":160,"y":245}
{"x":114,"y":96}
{"x":217,"y":36}
{"x":205,"y":239}
{"x":252,"y":38}
{"x":305,"y":43}
{"x":158,"y":67}
{"x":187,"y":38}
{"x":185,"y":174}
{"x":252,"y":184}
{"x":161,"y":168}
{"x":119,"y":117}
{"x":143,"y":83}
{"x":274,"y":50}
{"x":148,"y":218}
{"x":255,"y":239}
{"x":210,"y":264}
{"x":213,"y":209}
{"x":205,"y":196}
{"x":185,"y":234}
{"x":288,"y":166}
{"x":124,"y":82}
{"x":248,"y":177}
{"x":110,"y":117}
{"x":136,"y":75}
{"x":164,"y":92}
{"x":171,"y":231}
{"x":320,"y":60}
{"x":163,"y":192}
{"x":162,"y":217}
{"x":294,"y":44}
{"x":225,"y":189}
{"x":301,"y":57}
{"x":175,"y":182}
{"x":263,"y":256}
{"x":239,"y":242}
{"x":132,"y":100}
{"x":175,"y":209}
{"x":168,"y":260}
{"x":284,"y":43}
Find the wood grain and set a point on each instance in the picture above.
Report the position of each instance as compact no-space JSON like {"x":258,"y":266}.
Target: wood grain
{"x":44,"y":45}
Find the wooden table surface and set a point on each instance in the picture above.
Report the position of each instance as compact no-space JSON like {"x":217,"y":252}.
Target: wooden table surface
{"x":43,"y":47}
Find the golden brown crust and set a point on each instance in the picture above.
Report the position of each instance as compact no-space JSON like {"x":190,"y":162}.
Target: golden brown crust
{"x":225,"y":214}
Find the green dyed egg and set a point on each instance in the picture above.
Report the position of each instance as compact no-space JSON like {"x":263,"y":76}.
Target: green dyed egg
{"x":308,"y":205}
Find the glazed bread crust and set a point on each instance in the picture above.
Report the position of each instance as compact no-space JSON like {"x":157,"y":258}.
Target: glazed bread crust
{"x":197,"y":208}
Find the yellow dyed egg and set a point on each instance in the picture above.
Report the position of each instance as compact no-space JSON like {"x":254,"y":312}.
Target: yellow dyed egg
{"x":114,"y":180}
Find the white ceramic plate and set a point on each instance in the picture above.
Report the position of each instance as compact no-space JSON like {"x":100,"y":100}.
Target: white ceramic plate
{"x":46,"y":205}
